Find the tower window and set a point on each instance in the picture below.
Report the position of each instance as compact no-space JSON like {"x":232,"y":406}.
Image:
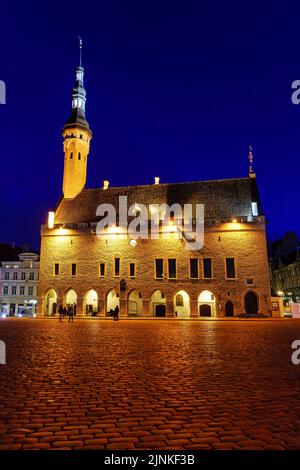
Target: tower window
{"x":56,"y":269}
{"x":71,"y":156}
{"x":79,"y":156}
{"x":81,"y":136}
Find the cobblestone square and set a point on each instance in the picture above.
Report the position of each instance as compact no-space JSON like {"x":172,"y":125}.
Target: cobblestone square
{"x":149,"y":385}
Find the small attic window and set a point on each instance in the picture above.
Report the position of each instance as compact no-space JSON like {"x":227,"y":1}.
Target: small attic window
{"x":254,"y":208}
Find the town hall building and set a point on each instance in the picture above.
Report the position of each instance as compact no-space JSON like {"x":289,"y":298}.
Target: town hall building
{"x":158,"y":276}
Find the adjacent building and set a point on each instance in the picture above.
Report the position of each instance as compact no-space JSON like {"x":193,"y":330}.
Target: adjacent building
{"x":18,"y":285}
{"x":160,"y":277}
{"x":284,"y":256}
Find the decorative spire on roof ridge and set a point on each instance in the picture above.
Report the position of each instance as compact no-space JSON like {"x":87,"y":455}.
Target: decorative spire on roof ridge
{"x":251,"y":158}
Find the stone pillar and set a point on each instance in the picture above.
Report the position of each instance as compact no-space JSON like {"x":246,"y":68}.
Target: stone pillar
{"x":123,"y":307}
{"x":101,"y":307}
{"x":194,"y":309}
{"x":79,"y":308}
{"x":169,"y":309}
{"x":146,"y":308}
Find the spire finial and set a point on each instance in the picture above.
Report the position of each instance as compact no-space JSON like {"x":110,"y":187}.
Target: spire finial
{"x":80,"y":49}
{"x":251,"y":158}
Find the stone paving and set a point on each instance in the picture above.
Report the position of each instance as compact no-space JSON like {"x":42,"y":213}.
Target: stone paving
{"x":149,"y":385}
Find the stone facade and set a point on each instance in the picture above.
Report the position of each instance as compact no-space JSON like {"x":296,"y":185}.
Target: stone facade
{"x":79,"y":268}
{"x":246,"y":244}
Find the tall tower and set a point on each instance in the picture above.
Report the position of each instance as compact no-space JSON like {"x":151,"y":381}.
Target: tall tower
{"x":77,"y":136}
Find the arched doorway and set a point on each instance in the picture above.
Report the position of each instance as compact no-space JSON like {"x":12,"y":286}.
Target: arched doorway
{"x":229,"y":309}
{"x":90,"y":302}
{"x":158,"y":304}
{"x":135,"y":303}
{"x":182,"y":307}
{"x":112,"y":300}
{"x":50,"y":304}
{"x":205,"y":310}
{"x":251,"y":303}
{"x":70,"y":299}
{"x":207,"y":304}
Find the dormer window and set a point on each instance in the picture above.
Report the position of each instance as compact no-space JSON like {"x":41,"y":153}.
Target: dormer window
{"x":254,"y":208}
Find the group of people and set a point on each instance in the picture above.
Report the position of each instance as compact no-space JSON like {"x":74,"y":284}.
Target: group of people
{"x":115,"y":313}
{"x":69,"y":311}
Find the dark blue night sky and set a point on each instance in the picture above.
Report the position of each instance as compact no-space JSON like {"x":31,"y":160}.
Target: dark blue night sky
{"x":174,"y":89}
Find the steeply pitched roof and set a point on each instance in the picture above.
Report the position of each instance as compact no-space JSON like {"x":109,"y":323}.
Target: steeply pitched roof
{"x":221,"y":198}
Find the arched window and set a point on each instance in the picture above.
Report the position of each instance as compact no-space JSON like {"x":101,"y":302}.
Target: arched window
{"x":179,"y":300}
{"x":79,"y":156}
{"x":71,"y":156}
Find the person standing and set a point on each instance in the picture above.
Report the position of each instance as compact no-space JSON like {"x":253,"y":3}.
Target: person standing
{"x":70,"y":314}
{"x":116,"y":313}
{"x":61,"y":312}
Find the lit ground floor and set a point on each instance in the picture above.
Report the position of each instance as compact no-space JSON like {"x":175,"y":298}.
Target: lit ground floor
{"x":149,"y":385}
{"x":17,"y":305}
{"x":179,"y":303}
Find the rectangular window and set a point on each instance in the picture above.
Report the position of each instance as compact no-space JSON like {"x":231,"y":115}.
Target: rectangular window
{"x":132,"y":269}
{"x":74,"y":269}
{"x":102,"y":269}
{"x":22,"y":290}
{"x":5,"y":290}
{"x":194,"y":268}
{"x":172,"y":274}
{"x":23,"y":276}
{"x":14,"y":290}
{"x":56,"y":269}
{"x":207,"y":268}
{"x":117,"y":266}
{"x":31,"y":276}
{"x":6,"y":276}
{"x":15,"y":276}
{"x":230,"y":268}
{"x":30,"y":290}
{"x":254,"y":209}
{"x":159,"y":268}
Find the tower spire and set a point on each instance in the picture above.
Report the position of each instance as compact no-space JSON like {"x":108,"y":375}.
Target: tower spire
{"x":77,"y":116}
{"x":80,"y":50}
{"x":251,"y":158}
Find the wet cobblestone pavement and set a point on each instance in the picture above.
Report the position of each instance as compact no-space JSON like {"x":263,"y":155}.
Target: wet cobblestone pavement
{"x":149,"y":385}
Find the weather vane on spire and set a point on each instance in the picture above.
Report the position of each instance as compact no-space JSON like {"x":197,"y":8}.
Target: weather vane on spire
{"x":80,"y":48}
{"x":251,"y":158}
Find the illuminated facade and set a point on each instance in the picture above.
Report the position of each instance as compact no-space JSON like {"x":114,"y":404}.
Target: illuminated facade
{"x":18,"y":285}
{"x":151,"y":277}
